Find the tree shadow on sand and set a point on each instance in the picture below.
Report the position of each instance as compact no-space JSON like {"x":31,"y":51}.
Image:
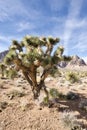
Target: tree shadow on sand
{"x":74,"y":105}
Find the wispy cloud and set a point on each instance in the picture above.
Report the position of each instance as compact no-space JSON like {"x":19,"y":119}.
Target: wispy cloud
{"x":5,"y":38}
{"x":77,"y":23}
{"x":73,"y":14}
{"x":12,"y":8}
{"x":81,"y":42}
{"x":56,"y":5}
{"x":81,"y":47}
{"x":22,"y":26}
{"x":3,"y":48}
{"x":5,"y":41}
{"x":65,"y":19}
{"x":9,"y":8}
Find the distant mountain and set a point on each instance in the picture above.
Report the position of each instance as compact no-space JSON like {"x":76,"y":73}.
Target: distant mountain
{"x":62,"y":64}
{"x":76,"y":60}
{"x":3,"y":54}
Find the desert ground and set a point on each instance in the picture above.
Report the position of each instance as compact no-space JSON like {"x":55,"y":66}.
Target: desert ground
{"x":19,"y":111}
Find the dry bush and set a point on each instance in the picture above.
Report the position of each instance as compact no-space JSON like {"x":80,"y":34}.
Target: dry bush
{"x":70,"y":121}
{"x":3,"y":105}
{"x":71,"y":96}
{"x":15,"y":93}
{"x":83,"y":104}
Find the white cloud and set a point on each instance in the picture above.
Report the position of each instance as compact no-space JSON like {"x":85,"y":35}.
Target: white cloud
{"x":56,"y":5}
{"x":8,"y":39}
{"x":3,"y":48}
{"x":5,"y":38}
{"x":72,"y":17}
{"x":25,"y":26}
{"x":11,"y":8}
{"x":81,"y":42}
{"x":81,"y":46}
{"x":5,"y":41}
{"x":76,"y":23}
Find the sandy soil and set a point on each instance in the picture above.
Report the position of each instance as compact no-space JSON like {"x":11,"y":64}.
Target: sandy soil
{"x":23,"y":113}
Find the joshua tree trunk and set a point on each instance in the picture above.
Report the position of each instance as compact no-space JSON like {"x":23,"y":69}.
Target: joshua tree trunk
{"x":36,"y":87}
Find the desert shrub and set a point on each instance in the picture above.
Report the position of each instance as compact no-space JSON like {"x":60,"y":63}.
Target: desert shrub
{"x":15,"y":93}
{"x":72,"y":77}
{"x":45,"y":101}
{"x":83,"y":74}
{"x":83,"y":104}
{"x":68,"y":96}
{"x":71,"y":96}
{"x":58,"y":74}
{"x":70,"y":121}
{"x":54,"y":93}
{"x":55,"y":72}
{"x":10,"y":73}
{"x":53,"y":98}
{"x":3,"y":105}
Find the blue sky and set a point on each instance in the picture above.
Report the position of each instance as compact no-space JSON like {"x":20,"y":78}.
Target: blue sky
{"x":66,"y":19}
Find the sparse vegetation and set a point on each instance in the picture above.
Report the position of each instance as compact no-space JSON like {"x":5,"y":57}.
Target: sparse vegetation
{"x":83,"y":74}
{"x":54,"y":92}
{"x":72,"y":77}
{"x":83,"y":104}
{"x":10,"y":73}
{"x":70,"y":121}
{"x":71,"y":96}
{"x":36,"y":64}
{"x":3,"y":105}
{"x":15,"y":93}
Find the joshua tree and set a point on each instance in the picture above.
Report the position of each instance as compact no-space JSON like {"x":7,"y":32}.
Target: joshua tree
{"x":31,"y":53}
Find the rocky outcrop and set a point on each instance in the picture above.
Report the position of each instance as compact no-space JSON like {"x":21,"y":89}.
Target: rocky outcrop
{"x":62,"y":64}
{"x":3,"y":54}
{"x":77,"y":61}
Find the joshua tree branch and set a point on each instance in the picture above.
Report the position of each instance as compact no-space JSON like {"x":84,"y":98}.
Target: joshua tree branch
{"x":27,"y":78}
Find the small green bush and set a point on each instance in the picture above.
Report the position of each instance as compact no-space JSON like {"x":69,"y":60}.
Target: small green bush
{"x":10,"y":73}
{"x":54,"y":93}
{"x":45,"y":101}
{"x":72,"y":77}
